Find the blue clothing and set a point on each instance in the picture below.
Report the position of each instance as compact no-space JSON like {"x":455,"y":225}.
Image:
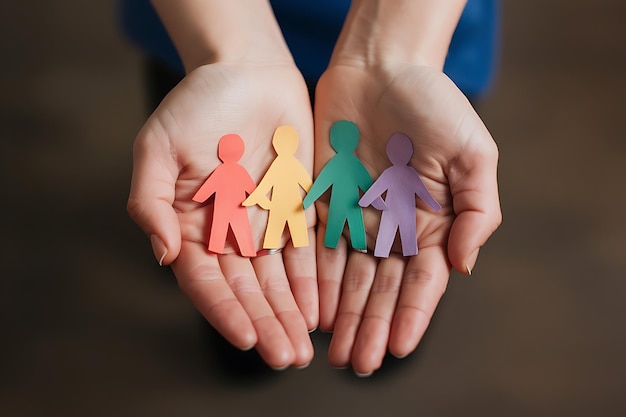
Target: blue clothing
{"x":311,"y":29}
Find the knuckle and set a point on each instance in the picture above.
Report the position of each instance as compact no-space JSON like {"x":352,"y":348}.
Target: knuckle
{"x":243,"y":284}
{"x":134,"y":208}
{"x":386,"y":283}
{"x":498,"y":220}
{"x":275,"y":284}
{"x":201,"y":274}
{"x":493,"y":151}
{"x":223,"y":311}
{"x":355,"y":282}
{"x":416,"y":311}
{"x":418,"y":276}
{"x":424,"y":278}
{"x":493,"y":220}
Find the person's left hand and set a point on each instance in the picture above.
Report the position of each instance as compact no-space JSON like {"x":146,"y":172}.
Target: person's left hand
{"x":375,"y":305}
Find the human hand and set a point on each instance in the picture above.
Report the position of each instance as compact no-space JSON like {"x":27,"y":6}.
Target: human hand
{"x":267,"y":302}
{"x":374,"y":305}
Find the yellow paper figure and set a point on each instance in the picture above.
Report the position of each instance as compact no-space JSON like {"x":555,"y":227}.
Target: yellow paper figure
{"x":284,"y":178}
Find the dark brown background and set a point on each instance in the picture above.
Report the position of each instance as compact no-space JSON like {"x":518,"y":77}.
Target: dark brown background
{"x":90,"y":326}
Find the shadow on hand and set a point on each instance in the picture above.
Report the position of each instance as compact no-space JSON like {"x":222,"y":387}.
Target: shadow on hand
{"x":231,"y":365}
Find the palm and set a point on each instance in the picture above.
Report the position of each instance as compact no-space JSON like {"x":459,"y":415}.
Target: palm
{"x":410,"y":103}
{"x":374,"y":305}
{"x":218,"y":100}
{"x":252,"y":302}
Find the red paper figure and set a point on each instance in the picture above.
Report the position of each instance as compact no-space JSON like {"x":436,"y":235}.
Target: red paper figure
{"x":229,"y":182}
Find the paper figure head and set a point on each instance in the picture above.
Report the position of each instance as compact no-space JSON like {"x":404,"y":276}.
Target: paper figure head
{"x":344,"y":136}
{"x":285,"y":140}
{"x":399,"y":149}
{"x":230,"y":148}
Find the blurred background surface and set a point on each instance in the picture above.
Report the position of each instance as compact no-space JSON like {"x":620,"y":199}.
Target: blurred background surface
{"x":91,"y":326}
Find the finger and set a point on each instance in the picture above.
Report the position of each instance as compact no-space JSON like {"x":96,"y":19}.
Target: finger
{"x":273,"y":343}
{"x":424,"y":282}
{"x":200,"y":277}
{"x":474,"y":188}
{"x":273,"y":282}
{"x":357,"y":281}
{"x":152,"y":194}
{"x":373,"y":335}
{"x":300,"y":265}
{"x":331,"y":265}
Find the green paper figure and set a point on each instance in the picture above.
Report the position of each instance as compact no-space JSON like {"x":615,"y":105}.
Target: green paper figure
{"x":345,"y":174}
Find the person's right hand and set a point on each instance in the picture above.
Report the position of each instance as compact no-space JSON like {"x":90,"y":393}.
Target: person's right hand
{"x":268,"y":302}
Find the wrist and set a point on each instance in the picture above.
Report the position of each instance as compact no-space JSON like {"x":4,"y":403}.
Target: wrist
{"x":236,"y":31}
{"x":379,"y":33}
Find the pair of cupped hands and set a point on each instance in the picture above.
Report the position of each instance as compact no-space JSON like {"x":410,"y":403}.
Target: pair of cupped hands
{"x":271,"y":303}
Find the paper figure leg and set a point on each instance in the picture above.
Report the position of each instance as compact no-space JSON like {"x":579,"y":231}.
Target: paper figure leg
{"x":298,"y":230}
{"x":357,"y":229}
{"x":217,"y":237}
{"x":241,"y":230}
{"x":408,"y":236}
{"x":334,"y":227}
{"x":274,"y":232}
{"x":386,"y":235}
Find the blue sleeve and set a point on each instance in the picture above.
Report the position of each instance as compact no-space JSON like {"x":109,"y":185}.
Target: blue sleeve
{"x":140,"y":24}
{"x":473,"y":53}
{"x":311,"y":29}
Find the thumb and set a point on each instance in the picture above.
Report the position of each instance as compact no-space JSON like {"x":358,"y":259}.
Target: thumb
{"x":474,"y":188}
{"x":152,"y":194}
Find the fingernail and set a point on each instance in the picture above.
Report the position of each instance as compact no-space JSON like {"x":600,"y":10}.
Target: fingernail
{"x":159,"y":248}
{"x":471,"y":261}
{"x":365,"y":375}
{"x":303,"y":366}
{"x":280,"y":368}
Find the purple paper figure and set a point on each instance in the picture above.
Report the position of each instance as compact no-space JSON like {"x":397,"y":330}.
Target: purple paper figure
{"x":402,"y":183}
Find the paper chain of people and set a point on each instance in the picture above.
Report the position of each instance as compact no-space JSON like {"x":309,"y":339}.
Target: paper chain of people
{"x":344,"y":174}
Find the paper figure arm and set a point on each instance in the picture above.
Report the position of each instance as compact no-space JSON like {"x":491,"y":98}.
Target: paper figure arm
{"x":364,"y":180}
{"x":304,"y":179}
{"x":259,"y":194}
{"x":207,"y":189}
{"x":322,"y":183}
{"x":423,"y":193}
{"x":375,"y":191}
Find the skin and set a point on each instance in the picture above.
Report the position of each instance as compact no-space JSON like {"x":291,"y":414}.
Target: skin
{"x":385,"y":76}
{"x":246,"y":84}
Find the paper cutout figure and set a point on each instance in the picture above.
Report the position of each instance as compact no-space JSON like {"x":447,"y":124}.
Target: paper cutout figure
{"x":229,"y":182}
{"x":284,"y":178}
{"x":345,"y":174}
{"x":402,"y":183}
